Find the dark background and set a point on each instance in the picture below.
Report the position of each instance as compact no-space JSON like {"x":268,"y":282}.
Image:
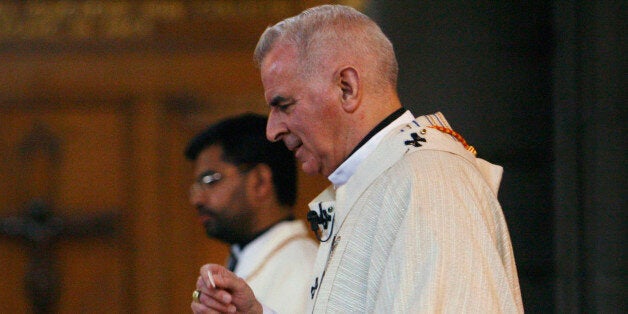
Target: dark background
{"x":537,"y":87}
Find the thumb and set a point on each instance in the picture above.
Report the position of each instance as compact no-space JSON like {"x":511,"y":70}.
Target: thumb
{"x":237,"y":291}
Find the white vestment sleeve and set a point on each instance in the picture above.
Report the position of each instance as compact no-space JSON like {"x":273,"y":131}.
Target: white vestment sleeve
{"x":452,"y":252}
{"x":267,"y":310}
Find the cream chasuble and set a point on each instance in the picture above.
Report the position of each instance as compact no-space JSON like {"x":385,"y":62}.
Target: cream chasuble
{"x":277,"y":265}
{"x":416,"y":229}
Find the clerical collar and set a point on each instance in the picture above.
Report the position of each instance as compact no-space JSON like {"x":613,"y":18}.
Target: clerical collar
{"x":368,"y":144}
{"x":238,"y":247}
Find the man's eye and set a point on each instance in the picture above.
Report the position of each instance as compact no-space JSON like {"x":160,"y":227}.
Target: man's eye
{"x":285,"y":107}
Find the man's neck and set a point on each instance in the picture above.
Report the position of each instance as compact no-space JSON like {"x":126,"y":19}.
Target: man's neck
{"x":241,"y":244}
{"x":342,"y":174}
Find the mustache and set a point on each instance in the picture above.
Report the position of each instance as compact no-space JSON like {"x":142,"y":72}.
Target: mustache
{"x":205,"y":211}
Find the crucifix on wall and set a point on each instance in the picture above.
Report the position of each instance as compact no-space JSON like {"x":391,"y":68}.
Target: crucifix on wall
{"x":38,"y":226}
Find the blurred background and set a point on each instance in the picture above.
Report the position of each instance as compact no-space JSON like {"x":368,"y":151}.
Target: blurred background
{"x":98,"y":99}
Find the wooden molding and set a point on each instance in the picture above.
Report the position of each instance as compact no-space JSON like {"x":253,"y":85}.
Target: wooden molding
{"x":150,"y":24}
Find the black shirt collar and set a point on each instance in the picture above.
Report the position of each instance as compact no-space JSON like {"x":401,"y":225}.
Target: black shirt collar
{"x":388,"y":120}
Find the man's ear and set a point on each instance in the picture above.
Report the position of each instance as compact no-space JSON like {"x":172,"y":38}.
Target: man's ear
{"x":349,"y":82}
{"x":260,"y":181}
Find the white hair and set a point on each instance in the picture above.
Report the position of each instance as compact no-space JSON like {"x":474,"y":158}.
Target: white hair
{"x":333,"y":32}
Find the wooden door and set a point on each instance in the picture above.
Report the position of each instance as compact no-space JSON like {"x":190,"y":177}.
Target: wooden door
{"x":70,"y":159}
{"x":94,"y":118}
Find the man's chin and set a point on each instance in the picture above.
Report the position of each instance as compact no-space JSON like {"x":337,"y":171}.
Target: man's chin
{"x":310,"y":168}
{"x":210,"y":233}
{"x":210,"y":229}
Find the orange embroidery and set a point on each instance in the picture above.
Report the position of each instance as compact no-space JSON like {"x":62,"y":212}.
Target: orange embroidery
{"x":457,"y":136}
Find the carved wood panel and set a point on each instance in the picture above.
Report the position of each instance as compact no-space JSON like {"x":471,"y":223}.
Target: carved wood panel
{"x":71,"y":159}
{"x":120,"y":111}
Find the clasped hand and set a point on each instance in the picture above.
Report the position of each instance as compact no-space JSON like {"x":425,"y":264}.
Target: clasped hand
{"x":230,"y":295}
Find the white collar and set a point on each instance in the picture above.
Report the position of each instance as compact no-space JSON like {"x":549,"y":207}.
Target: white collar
{"x":342,"y":174}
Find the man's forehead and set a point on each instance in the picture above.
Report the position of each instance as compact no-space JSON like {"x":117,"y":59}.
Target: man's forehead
{"x":281,"y":55}
{"x":207,"y":163}
{"x":210,"y":155}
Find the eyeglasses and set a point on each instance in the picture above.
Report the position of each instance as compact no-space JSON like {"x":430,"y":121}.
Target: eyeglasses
{"x":205,"y":180}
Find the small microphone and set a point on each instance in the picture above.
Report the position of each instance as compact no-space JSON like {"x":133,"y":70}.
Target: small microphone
{"x":313,"y":218}
{"x":323,"y":219}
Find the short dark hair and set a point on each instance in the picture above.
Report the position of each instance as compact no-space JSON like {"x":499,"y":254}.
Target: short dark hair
{"x":243,"y":141}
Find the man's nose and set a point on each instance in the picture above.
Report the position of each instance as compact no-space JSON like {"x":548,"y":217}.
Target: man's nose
{"x":275,"y":129}
{"x":195,"y":195}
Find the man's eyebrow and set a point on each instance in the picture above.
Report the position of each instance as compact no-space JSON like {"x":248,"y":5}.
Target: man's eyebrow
{"x":205,"y":173}
{"x":275,"y":101}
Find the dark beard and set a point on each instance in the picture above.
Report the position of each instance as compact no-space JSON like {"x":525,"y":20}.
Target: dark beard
{"x":230,"y":230}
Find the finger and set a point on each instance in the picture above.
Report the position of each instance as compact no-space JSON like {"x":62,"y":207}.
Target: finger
{"x":202,"y":309}
{"x":222,"y":277}
{"x":217,"y":295}
{"x":220,"y":294}
{"x":211,"y":279}
{"x":198,"y":308}
{"x":207,"y":275}
{"x":200,"y":286}
{"x":212,"y":304}
{"x":200,"y":283}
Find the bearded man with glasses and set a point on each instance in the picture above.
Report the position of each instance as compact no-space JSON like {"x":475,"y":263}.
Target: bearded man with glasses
{"x":244,"y":190}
